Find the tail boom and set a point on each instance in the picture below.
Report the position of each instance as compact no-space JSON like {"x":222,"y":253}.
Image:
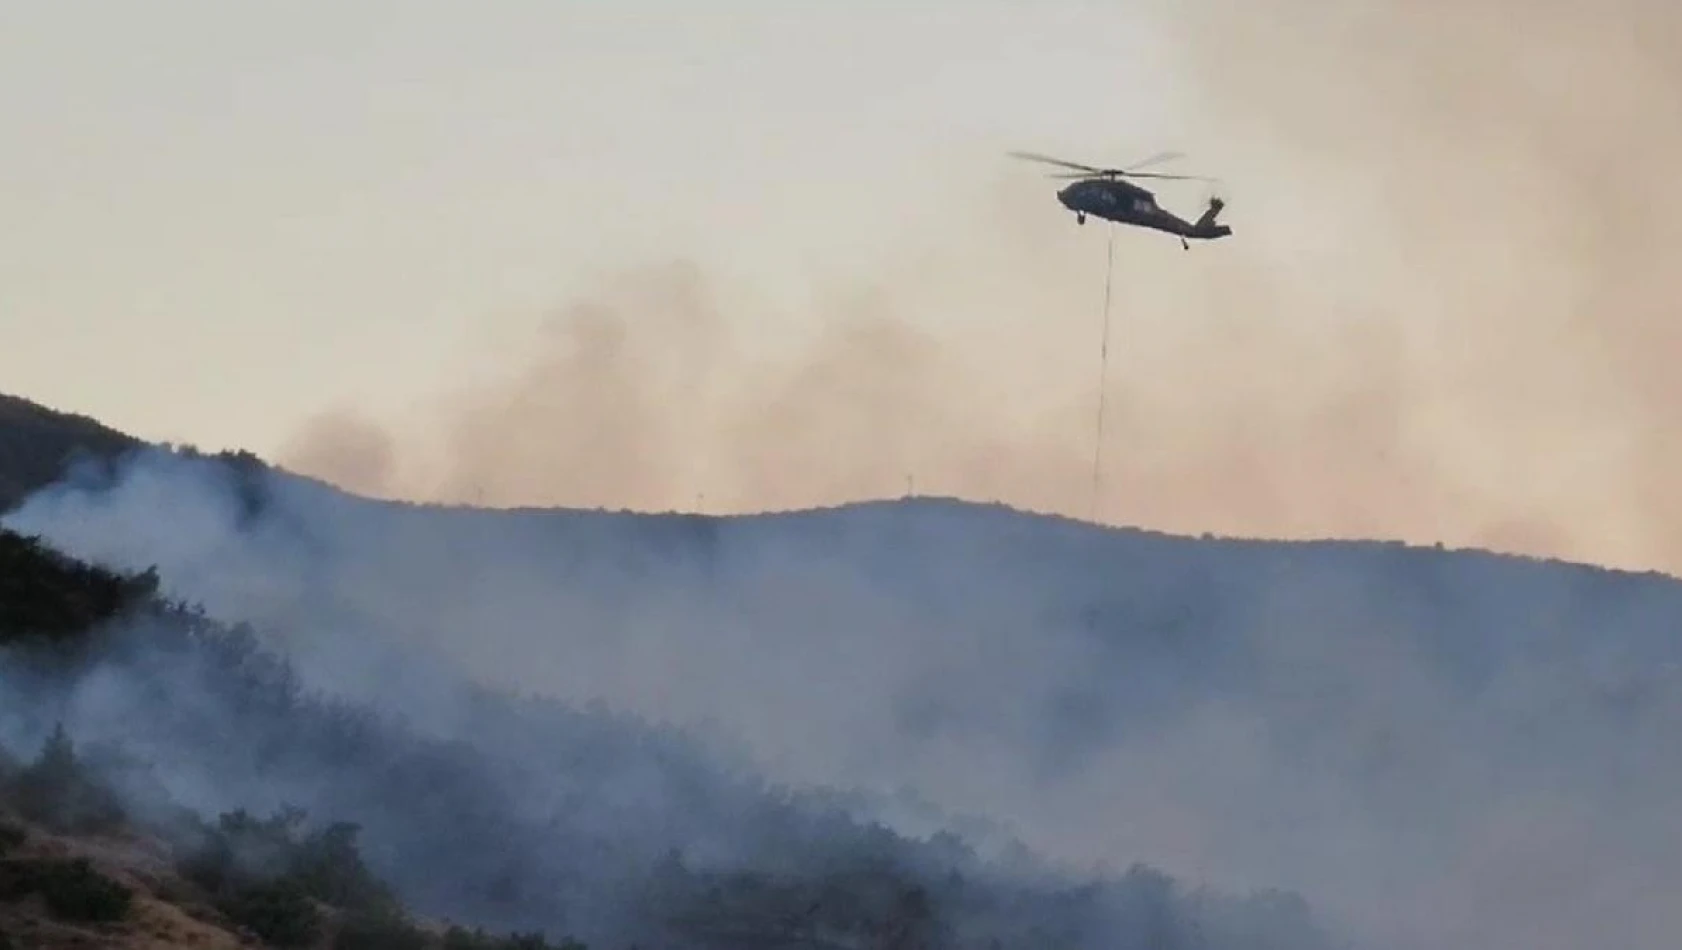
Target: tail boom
{"x":1205,"y":227}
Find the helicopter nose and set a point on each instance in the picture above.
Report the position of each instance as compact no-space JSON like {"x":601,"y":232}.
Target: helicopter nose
{"x":1063,"y":196}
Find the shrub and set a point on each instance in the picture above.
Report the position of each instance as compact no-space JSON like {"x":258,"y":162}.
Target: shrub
{"x":11,"y":837}
{"x":57,"y":791}
{"x":278,"y":912}
{"x":459,"y":938}
{"x":73,"y":890}
{"x":329,"y":867}
{"x":266,"y":877}
{"x":380,"y":931}
{"x":47,"y":598}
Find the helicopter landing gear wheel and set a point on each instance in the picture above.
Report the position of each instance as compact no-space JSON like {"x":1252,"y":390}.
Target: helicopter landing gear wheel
{"x":1080,"y":217}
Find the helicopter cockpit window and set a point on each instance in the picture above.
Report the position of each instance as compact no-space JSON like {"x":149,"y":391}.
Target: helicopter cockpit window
{"x":1143,"y":204}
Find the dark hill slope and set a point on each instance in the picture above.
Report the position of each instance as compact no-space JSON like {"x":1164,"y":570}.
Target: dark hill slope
{"x":1429,"y":742}
{"x":538,"y":817}
{"x":38,"y":445}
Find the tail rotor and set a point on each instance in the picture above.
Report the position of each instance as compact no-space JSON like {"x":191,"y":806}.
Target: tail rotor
{"x":1208,"y":224}
{"x":1215,"y":197}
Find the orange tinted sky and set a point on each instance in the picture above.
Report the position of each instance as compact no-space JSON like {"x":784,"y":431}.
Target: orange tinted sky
{"x":547,"y":253}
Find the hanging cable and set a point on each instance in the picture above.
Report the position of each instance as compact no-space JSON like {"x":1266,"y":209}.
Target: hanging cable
{"x":1103,"y":375}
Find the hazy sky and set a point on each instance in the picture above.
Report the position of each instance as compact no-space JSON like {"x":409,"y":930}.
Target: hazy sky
{"x":772,"y":255}
{"x":221,"y":219}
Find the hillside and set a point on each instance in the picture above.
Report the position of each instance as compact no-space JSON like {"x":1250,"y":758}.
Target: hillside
{"x":1432,"y":747}
{"x":161,"y":738}
{"x":94,"y":853}
{"x":121,"y":888}
{"x":100,"y":848}
{"x":38,"y":446}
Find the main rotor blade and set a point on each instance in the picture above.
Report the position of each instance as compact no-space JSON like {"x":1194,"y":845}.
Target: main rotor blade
{"x":1089,"y":171}
{"x":1117,"y":173}
{"x":1171,"y":177}
{"x":1156,"y":159}
{"x":1034,"y":157}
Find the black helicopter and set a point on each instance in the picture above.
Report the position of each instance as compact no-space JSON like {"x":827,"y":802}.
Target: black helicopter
{"x":1100,"y":192}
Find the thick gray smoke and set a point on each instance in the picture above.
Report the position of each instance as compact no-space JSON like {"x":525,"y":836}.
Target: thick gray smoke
{"x":1432,"y":748}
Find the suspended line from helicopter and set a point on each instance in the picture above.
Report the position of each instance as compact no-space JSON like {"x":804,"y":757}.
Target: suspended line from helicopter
{"x":1101,"y":193}
{"x":1103,"y":376}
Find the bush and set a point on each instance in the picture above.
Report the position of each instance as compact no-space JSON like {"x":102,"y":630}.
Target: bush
{"x":329,"y":867}
{"x":47,"y":598}
{"x":73,"y":890}
{"x":278,"y":912}
{"x":323,"y":864}
{"x":266,"y":876}
{"x":380,"y":931}
{"x":11,"y":837}
{"x":458,"y":938}
{"x":57,"y":791}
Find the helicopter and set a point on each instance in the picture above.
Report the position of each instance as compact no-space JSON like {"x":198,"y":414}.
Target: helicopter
{"x":1101,"y":193}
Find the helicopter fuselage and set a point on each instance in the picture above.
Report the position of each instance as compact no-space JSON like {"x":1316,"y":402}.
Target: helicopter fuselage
{"x":1126,"y":203}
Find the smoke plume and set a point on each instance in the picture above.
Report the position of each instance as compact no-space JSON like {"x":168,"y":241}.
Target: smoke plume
{"x":1507,"y":215}
{"x":1445,"y":315}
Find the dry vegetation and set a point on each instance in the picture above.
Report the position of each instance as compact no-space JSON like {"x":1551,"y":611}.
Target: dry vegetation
{"x":67,"y":882}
